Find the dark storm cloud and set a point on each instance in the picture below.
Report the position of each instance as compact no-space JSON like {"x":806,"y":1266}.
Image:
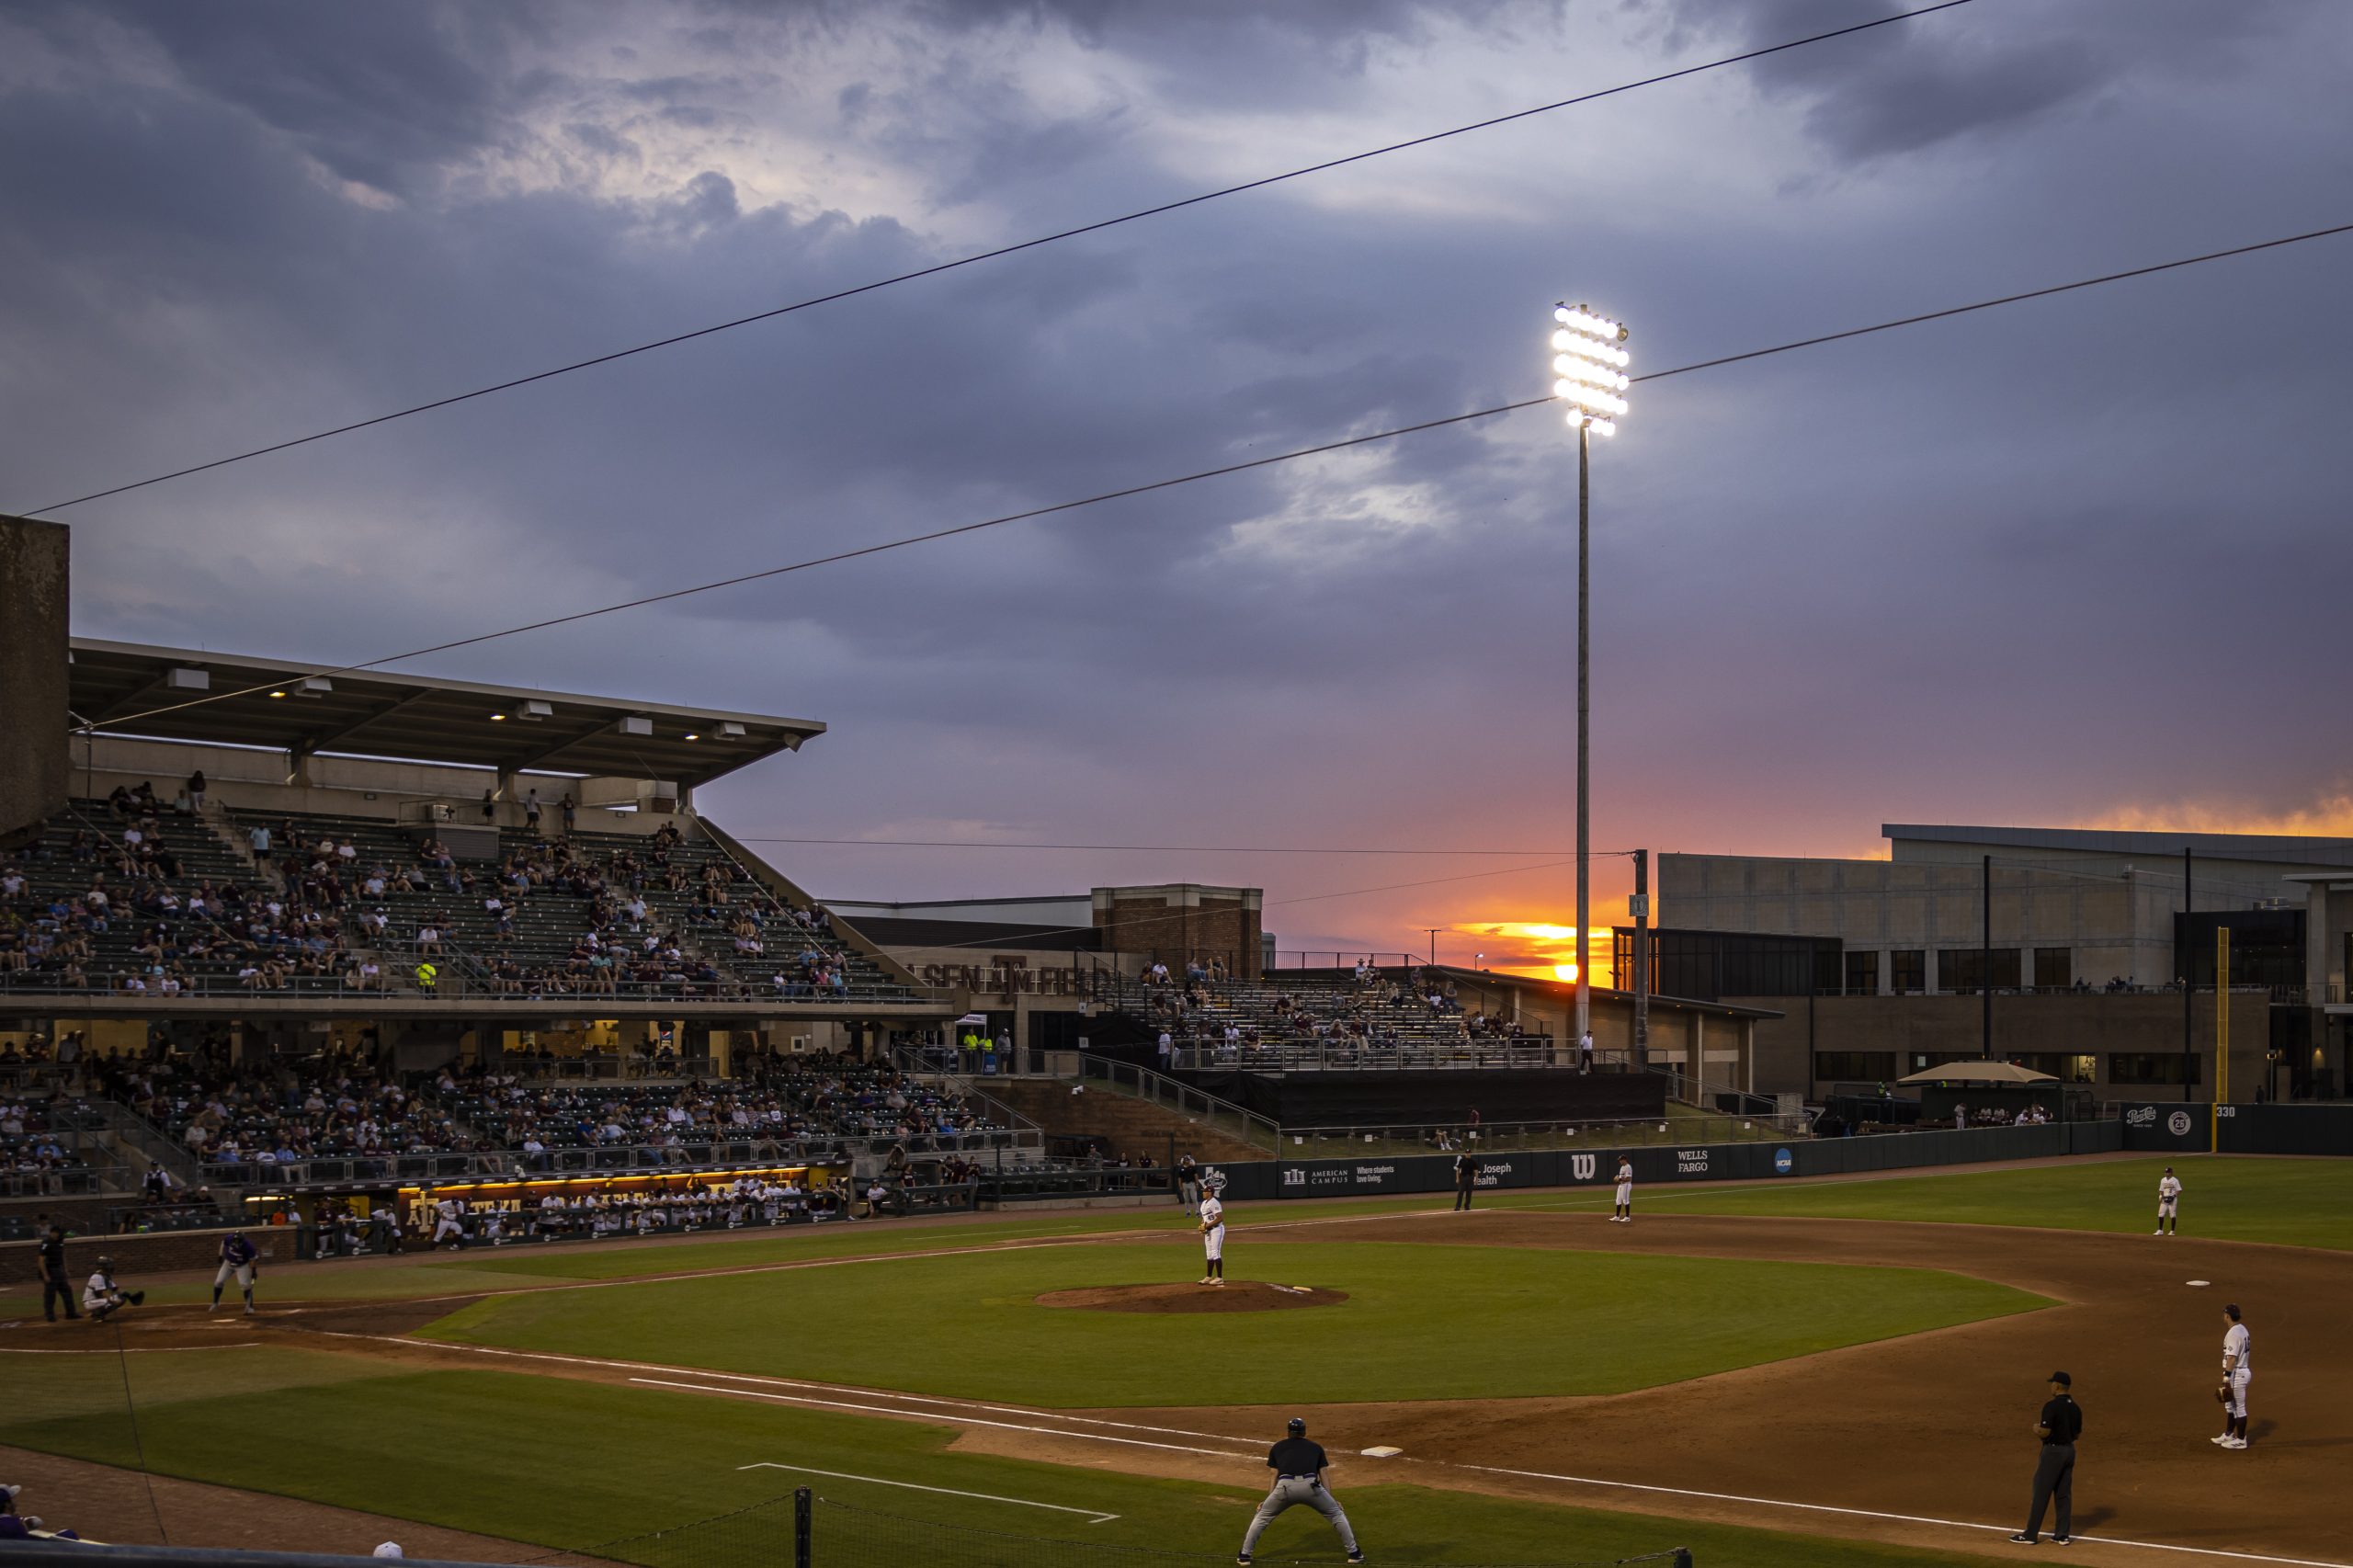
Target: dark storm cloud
{"x":1978,"y":69}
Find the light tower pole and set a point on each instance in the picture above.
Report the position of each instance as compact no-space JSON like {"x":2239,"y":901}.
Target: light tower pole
{"x":1590,"y":368}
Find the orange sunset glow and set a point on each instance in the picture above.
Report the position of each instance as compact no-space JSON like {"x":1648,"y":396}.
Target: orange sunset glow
{"x":1540,"y":950}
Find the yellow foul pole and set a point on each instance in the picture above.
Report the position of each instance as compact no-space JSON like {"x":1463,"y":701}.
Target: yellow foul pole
{"x":2222,"y":1036}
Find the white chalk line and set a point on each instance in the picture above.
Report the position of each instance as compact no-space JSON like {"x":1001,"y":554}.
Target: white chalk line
{"x":1094,"y":1515}
{"x":863,"y":1403}
{"x":622,"y":1365}
{"x":1875,"y":1514}
{"x":967,"y":1420}
{"x":127,"y":1349}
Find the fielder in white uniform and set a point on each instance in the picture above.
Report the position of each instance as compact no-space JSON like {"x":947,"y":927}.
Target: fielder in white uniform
{"x":447,"y":1225}
{"x":2236,"y":1374}
{"x":1213,"y":1238}
{"x":2169,"y":1194}
{"x":1624,"y":1213}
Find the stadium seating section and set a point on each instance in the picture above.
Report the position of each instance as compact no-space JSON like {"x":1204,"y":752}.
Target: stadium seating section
{"x":134,"y":897}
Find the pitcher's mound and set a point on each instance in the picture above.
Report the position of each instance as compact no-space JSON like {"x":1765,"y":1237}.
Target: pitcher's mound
{"x":1233,"y":1296}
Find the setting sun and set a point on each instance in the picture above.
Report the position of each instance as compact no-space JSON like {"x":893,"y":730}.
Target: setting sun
{"x":1541,"y":950}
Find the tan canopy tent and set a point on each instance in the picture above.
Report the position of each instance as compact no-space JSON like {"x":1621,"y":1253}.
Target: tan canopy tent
{"x":1979,"y":1072}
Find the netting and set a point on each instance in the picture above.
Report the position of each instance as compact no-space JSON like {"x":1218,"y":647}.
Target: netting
{"x":843,"y":1535}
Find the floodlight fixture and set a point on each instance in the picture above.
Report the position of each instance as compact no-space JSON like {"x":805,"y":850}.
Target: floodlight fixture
{"x":1589,"y":366}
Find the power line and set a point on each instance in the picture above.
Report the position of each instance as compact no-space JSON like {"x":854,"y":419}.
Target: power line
{"x":1139,"y":849}
{"x":1244,"y":467}
{"x":978,"y":257}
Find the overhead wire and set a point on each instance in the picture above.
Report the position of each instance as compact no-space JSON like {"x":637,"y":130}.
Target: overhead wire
{"x":1221,"y":471}
{"x":932,"y":271}
{"x":1139,"y":849}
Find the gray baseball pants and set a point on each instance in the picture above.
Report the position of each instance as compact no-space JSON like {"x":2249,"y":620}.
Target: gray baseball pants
{"x":2054,"y":1481}
{"x":1291,"y":1492}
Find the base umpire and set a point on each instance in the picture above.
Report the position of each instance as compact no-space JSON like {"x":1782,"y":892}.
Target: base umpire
{"x":2061,"y":1423}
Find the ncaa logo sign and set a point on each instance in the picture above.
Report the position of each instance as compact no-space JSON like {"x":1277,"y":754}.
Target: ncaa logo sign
{"x":2179,"y":1124}
{"x":1783,"y":1161}
{"x":1581,"y":1166}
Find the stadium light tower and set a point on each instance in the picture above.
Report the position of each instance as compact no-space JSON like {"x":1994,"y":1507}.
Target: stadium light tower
{"x":1589,"y":369}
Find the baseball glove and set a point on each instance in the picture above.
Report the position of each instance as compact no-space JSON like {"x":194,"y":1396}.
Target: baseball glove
{"x":2223,"y":1394}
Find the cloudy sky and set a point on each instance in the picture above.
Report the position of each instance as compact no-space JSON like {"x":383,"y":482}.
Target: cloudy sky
{"x":2079,"y":562}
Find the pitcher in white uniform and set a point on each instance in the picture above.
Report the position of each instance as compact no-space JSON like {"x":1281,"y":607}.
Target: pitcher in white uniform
{"x":1213,"y":1237}
{"x":2168,"y":1195}
{"x":2236,"y":1373}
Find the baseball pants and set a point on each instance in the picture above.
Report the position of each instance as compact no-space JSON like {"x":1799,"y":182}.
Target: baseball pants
{"x":2054,"y":1480}
{"x":1292,"y":1491}
{"x":243,"y":1271}
{"x":1213,"y":1243}
{"x":2239,"y":1380}
{"x":54,"y":1293}
{"x":1463,"y":1197}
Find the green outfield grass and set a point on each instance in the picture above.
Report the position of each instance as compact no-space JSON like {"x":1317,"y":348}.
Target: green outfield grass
{"x":583,"y":1466}
{"x":2285,"y":1202}
{"x":1422,"y":1322}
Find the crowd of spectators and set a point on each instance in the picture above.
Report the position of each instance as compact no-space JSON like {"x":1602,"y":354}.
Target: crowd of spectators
{"x":1369,"y":1010}
{"x":338,"y":1104}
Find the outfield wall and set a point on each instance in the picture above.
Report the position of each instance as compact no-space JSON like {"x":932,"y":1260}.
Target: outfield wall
{"x":2269,"y":1128}
{"x":1259,"y":1180}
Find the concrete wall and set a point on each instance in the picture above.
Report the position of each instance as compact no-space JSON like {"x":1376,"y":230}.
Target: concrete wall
{"x":2093,"y":1025}
{"x":2118,"y":927}
{"x":34,"y":676}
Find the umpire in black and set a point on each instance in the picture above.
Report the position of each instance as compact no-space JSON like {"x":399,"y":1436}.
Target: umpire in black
{"x":54,"y":1286}
{"x":2061,"y":1423}
{"x":1466,"y":1179}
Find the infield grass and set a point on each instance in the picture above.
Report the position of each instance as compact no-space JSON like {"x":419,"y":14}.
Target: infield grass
{"x":2286,"y":1202}
{"x":581,"y":1466}
{"x":1422,"y":1322}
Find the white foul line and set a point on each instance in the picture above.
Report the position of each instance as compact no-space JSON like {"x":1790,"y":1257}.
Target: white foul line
{"x":132,"y":1349}
{"x":1251,"y":1443}
{"x":1094,"y":1516}
{"x":1874,"y":1514}
{"x":967,"y":1420}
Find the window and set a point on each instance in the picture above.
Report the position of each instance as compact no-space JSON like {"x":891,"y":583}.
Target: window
{"x":1907,"y":969}
{"x":2054,"y":968}
{"x":1863,"y":974}
{"x":1963,"y":969}
{"x":2155,"y":1067}
{"x":1856,"y":1066}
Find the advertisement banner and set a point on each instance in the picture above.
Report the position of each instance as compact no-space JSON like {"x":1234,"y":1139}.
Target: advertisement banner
{"x":2169,"y":1128}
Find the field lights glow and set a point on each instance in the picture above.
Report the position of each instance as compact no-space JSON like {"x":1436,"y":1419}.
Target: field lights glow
{"x":1591,"y":368}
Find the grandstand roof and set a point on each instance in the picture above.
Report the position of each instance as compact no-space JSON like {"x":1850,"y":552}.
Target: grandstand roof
{"x":134,"y":689}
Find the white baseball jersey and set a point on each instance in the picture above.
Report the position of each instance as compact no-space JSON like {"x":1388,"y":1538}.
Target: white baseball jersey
{"x":2167,"y":1190}
{"x":1625,"y":1176}
{"x":1212,"y":1212}
{"x":2235,"y":1345}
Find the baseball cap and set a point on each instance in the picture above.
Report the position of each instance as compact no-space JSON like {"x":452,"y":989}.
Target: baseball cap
{"x":10,"y":1490}
{"x":2062,"y":1379}
{"x":1298,"y":1428}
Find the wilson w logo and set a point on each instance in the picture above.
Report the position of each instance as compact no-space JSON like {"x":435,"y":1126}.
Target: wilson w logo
{"x":1582,"y":1166}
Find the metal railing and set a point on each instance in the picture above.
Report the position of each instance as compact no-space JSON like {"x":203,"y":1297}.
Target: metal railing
{"x":697,"y":1156}
{"x":1498,"y":1051}
{"x":1182,"y":1099}
{"x":913,"y":1059}
{"x":1614,"y":1133}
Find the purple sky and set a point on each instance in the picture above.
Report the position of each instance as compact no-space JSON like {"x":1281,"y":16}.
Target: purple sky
{"x":2083,"y":561}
